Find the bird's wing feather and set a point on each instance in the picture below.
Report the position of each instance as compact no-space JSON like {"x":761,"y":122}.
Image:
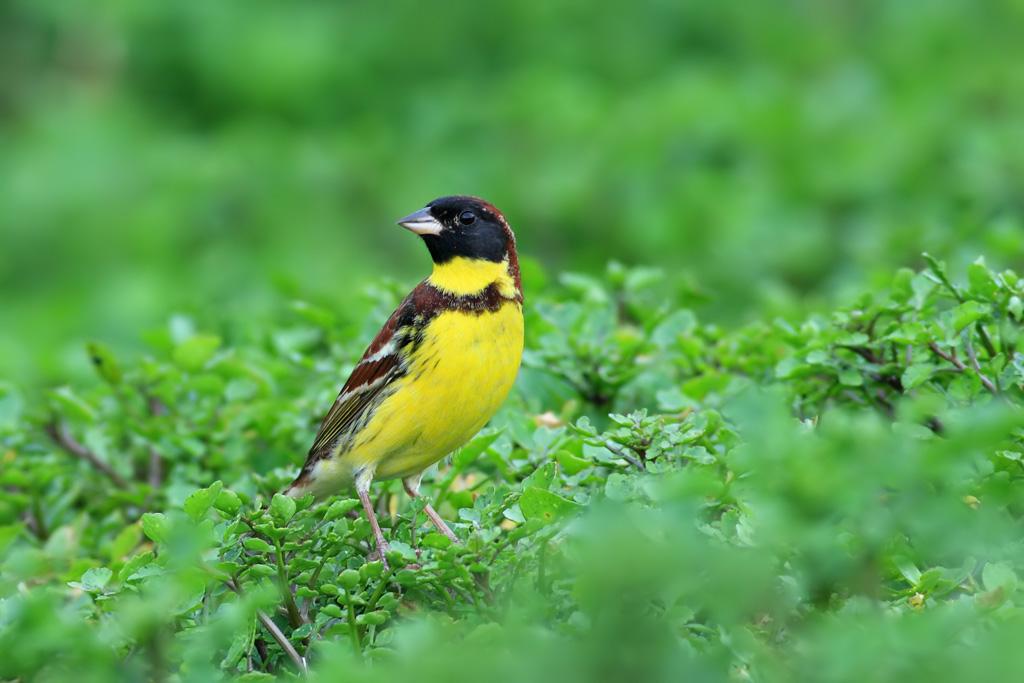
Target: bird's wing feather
{"x":380,"y":366}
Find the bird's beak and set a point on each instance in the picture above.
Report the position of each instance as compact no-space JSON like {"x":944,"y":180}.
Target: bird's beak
{"x":421,"y":223}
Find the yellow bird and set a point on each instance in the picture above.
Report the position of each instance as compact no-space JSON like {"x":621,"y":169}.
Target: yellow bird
{"x":439,"y":369}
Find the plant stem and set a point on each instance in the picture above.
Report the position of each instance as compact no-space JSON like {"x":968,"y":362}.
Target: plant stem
{"x":614,"y":448}
{"x":353,"y":629}
{"x":371,"y":604}
{"x":969,"y":348}
{"x":58,"y":432}
{"x":276,"y":634}
{"x":939,"y":271}
{"x":948,"y":357}
{"x":960,"y":367}
{"x":986,"y":341}
{"x":294,"y":617}
{"x":40,"y":523}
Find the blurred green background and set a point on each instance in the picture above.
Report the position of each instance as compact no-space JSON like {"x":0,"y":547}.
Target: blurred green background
{"x":219,"y":157}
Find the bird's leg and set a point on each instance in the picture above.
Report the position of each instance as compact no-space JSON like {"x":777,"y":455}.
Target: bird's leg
{"x":412,"y":487}
{"x":363,"y":480}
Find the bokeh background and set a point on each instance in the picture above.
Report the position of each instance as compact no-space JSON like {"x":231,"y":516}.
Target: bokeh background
{"x":219,"y":157}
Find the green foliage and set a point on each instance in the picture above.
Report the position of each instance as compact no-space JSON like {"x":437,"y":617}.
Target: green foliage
{"x":769,"y":151}
{"x":833,"y":498}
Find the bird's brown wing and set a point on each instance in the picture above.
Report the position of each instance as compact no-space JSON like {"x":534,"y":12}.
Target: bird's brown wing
{"x":382,"y":363}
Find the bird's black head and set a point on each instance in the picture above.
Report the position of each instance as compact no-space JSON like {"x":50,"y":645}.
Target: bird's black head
{"x":462,"y":226}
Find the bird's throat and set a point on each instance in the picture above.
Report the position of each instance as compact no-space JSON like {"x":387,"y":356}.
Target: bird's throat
{"x":465,"y":276}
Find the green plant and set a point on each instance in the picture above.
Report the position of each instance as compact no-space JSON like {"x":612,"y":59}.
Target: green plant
{"x":836,"y":498}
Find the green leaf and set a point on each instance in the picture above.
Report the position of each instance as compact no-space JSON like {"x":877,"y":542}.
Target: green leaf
{"x":11,"y":405}
{"x":125,"y":542}
{"x":937,"y":269}
{"x":980,"y":279}
{"x":850,"y":378}
{"x":134,"y":564}
{"x":673,"y":327}
{"x":331,"y":610}
{"x":436,"y":540}
{"x":156,"y":526}
{"x":193,"y":353}
{"x":902,"y":284}
{"x":542,"y":477}
{"x":228,"y":502}
{"x":257,"y":545}
{"x":282,"y":508}
{"x":255,"y":676}
{"x":104,"y":362}
{"x":94,"y":580}
{"x":69,"y":404}
{"x":999,"y":575}
{"x":916,"y":375}
{"x":621,"y":487}
{"x":1016,"y":307}
{"x":349,"y":578}
{"x":571,"y":463}
{"x":340,"y":508}
{"x":200,"y":501}
{"x":375,"y":618}
{"x":817,"y":357}
{"x":240,"y":644}
{"x":8,"y":533}
{"x":853,"y":339}
{"x":262,"y":570}
{"x":929,"y":580}
{"x":469,"y":453}
{"x":541,"y":504}
{"x":909,"y":571}
{"x":788,"y":368}
{"x":922,"y":286}
{"x":969,"y":312}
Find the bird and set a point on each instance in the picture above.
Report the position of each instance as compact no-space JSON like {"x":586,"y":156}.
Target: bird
{"x":438,"y":370}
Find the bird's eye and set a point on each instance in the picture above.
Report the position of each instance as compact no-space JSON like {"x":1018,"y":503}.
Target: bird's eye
{"x":467,"y":218}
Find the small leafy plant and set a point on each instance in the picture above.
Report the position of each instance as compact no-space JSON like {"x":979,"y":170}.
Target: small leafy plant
{"x":834,"y":498}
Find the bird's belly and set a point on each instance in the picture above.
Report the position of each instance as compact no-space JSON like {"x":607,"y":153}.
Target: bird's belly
{"x":458,"y":378}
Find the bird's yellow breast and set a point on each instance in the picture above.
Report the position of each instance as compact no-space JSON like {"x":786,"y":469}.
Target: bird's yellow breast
{"x":458,"y":377}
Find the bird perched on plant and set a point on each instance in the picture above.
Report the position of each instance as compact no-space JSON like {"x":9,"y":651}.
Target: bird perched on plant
{"x":439,"y":369}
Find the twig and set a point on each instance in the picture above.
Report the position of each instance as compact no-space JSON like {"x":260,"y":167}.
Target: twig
{"x":939,"y":271}
{"x":949,"y":357}
{"x":969,"y":348}
{"x":60,"y":435}
{"x":862,"y":352}
{"x":281,"y":640}
{"x":33,"y":516}
{"x":40,"y":522}
{"x":935,"y":424}
{"x":893,"y":381}
{"x":959,"y":365}
{"x":156,"y":469}
{"x":276,"y":634}
{"x":986,"y":341}
{"x":261,"y":650}
{"x":156,"y":462}
{"x":885,"y":404}
{"x":614,"y":448}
